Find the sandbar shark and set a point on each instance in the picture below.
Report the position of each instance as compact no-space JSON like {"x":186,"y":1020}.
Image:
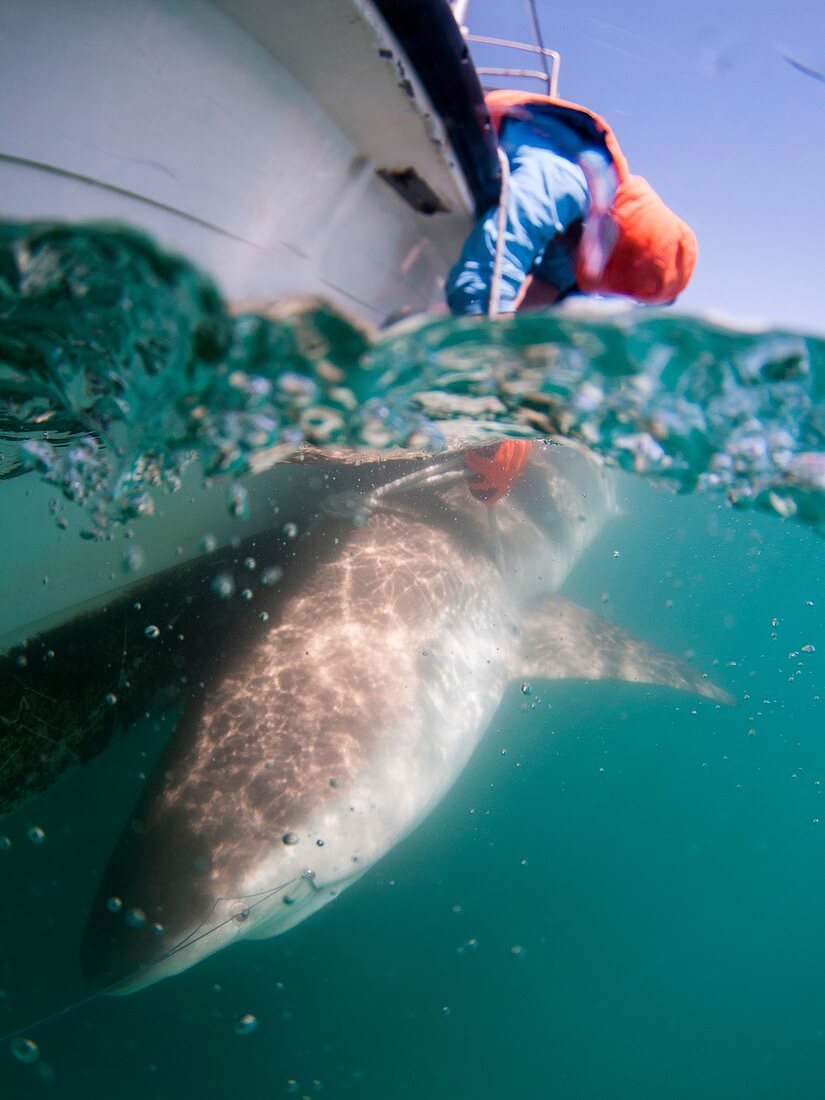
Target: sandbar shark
{"x":312,"y":751}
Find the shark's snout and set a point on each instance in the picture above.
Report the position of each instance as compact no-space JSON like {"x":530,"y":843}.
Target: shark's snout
{"x":156,"y":895}
{"x":120,"y":942}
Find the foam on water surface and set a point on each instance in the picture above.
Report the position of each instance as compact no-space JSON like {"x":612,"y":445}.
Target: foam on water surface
{"x":120,"y":365}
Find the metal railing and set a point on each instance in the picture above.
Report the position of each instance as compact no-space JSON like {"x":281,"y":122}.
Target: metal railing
{"x":549,"y":76}
{"x":550,"y":59}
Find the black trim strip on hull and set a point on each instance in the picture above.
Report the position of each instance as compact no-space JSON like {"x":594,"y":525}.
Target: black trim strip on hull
{"x":427,"y":32}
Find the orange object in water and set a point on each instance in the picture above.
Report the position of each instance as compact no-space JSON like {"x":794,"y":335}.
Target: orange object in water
{"x":653,"y":251}
{"x":496,"y":468}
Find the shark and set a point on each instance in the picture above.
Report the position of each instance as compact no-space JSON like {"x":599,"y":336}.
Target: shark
{"x":307,"y":753}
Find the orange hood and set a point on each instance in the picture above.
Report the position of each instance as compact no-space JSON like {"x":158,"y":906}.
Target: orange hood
{"x":654,"y":251}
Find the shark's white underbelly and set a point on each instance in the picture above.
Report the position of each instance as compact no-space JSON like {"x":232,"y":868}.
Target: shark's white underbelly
{"x":406,"y":641}
{"x":463,"y":674}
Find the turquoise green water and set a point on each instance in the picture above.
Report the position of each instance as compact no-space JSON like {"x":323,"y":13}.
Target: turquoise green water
{"x":622,"y":896}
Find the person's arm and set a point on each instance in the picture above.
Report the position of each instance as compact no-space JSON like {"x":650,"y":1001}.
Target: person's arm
{"x":546,"y":193}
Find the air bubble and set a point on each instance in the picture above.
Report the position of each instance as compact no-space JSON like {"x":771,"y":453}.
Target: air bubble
{"x":526,"y":689}
{"x":290,"y":530}
{"x":223,"y":585}
{"x":246,"y":1024}
{"x":114,"y":904}
{"x":35,"y":834}
{"x":238,"y":502}
{"x":26,"y":1051}
{"x":250,"y":564}
{"x":272,"y":575}
{"x":135,"y":917}
{"x":290,"y":838}
{"x":152,"y":631}
{"x":5,"y":843}
{"x":264,"y":616}
{"x":110,"y":700}
{"x":246,"y":594}
{"x":208,"y":543}
{"x":133,"y":559}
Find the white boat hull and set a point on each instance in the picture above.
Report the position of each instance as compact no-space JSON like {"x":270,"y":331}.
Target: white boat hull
{"x":247,"y":138}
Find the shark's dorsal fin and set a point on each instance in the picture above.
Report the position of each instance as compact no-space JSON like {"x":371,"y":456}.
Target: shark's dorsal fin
{"x":562,"y":641}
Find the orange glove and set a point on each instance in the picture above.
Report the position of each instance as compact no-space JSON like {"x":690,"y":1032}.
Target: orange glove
{"x":496,"y":468}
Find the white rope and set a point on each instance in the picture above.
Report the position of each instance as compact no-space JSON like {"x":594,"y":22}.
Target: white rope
{"x":495,"y":281}
{"x":492,"y":311}
{"x":444,"y":474}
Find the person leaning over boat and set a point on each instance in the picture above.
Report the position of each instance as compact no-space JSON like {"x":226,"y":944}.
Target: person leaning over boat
{"x":575,"y":220}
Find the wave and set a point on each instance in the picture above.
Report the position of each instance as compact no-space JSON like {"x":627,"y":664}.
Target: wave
{"x":121,"y":365}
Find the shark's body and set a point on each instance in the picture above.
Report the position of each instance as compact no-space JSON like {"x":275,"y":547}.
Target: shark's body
{"x":312,"y":752}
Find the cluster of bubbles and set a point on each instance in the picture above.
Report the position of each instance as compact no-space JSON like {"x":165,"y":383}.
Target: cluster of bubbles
{"x":705,"y":406}
{"x":120,"y":365}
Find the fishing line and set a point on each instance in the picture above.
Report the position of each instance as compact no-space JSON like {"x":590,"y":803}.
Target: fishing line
{"x":188,"y":941}
{"x":262,"y":895}
{"x":501,"y":225}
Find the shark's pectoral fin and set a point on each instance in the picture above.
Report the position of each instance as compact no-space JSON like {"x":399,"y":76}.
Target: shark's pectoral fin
{"x":562,"y":641}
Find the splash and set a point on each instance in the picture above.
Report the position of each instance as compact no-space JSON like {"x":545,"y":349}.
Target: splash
{"x":120,"y":365}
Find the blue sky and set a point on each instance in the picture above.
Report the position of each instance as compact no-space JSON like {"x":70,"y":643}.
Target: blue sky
{"x":730,"y":134}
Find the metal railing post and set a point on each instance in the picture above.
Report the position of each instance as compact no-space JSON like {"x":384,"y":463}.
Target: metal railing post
{"x":460,"y":11}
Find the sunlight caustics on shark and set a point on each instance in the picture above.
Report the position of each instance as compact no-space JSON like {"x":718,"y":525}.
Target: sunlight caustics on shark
{"x":320,"y":743}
